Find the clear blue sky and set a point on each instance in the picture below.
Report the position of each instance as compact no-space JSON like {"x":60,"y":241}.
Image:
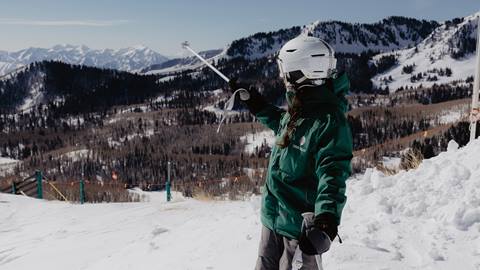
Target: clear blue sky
{"x":207,"y":24}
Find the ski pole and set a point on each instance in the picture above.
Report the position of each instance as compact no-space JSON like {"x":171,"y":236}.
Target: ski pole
{"x":186,"y":45}
{"x":244,"y":95}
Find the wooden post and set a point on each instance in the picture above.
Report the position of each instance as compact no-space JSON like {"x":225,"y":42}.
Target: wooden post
{"x":38,"y":176}
{"x":476,"y":90}
{"x":169,"y":195}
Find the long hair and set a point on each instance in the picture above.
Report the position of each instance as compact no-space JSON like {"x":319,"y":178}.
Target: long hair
{"x":295,"y":110}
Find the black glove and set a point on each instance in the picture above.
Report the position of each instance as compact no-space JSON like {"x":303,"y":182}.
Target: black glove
{"x":327,"y":223}
{"x":236,"y":84}
{"x":317,"y":233}
{"x":254,"y":100}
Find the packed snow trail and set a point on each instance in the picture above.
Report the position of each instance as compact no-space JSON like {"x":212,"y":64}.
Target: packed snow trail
{"x":427,"y":218}
{"x":183,"y":234}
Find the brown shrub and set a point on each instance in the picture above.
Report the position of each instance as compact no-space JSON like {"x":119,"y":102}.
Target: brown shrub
{"x":411,"y":159}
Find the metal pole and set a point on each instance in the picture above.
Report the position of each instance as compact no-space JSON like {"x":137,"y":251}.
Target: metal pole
{"x":82,"y":192}
{"x":476,"y":89}
{"x":169,"y":195}
{"x":38,"y":176}
{"x":82,"y":186}
{"x":186,"y":45}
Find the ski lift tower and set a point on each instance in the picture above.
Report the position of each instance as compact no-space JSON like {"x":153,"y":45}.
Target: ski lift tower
{"x":475,"y":114}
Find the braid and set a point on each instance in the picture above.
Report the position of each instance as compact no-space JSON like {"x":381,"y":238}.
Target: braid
{"x":295,"y":111}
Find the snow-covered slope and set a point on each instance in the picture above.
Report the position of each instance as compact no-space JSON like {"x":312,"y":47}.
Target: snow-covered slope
{"x":179,"y":64}
{"x":183,"y":234}
{"x":7,"y":165}
{"x":451,"y":45}
{"x":389,"y":34}
{"x":128,"y":59}
{"x":386,"y":35}
{"x":428,"y":218}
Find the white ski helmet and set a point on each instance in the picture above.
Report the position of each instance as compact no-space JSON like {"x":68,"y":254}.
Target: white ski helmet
{"x":314,"y":57}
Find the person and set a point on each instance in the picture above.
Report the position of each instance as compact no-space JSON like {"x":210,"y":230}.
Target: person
{"x":310,"y":161}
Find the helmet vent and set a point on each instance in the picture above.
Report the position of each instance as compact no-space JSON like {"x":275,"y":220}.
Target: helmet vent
{"x":318,"y":55}
{"x":318,"y":71}
{"x":292,"y":50}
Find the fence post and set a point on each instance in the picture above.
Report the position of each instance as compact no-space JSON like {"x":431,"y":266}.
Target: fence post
{"x":38,"y":176}
{"x":169,"y":195}
{"x":14,"y":188}
{"x":82,"y":191}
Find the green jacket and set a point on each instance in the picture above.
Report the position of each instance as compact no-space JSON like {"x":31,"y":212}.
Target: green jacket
{"x":309,"y":175}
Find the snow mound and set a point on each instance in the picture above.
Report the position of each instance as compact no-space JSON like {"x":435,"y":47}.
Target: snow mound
{"x":428,"y":218}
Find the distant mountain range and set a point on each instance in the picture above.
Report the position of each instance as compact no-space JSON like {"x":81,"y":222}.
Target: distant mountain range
{"x":436,"y":53}
{"x":392,"y":54}
{"x":392,"y":33}
{"x":128,"y":59}
{"x":389,"y":34}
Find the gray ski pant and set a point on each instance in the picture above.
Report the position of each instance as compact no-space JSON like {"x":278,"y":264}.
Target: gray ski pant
{"x":276,"y":253}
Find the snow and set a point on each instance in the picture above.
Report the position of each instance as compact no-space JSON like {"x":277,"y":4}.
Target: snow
{"x":189,"y":63}
{"x":4,"y":160}
{"x":128,"y":59}
{"x":451,"y":117}
{"x":391,"y":162}
{"x":427,"y":218}
{"x":218,"y":111}
{"x":183,"y":234}
{"x":256,"y":140}
{"x":35,"y":95}
{"x":432,"y":53}
{"x":77,"y":155}
{"x":7,"y":165}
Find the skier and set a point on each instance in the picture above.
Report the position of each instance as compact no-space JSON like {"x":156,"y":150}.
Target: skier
{"x":310,"y":162}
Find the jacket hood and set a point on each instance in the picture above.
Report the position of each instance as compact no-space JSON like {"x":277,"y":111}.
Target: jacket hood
{"x":330,"y":94}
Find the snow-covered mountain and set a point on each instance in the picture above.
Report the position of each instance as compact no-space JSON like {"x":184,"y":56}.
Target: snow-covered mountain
{"x":178,"y":64}
{"x":446,"y":55}
{"x":389,"y":34}
{"x":127,"y":59}
{"x":386,"y":35}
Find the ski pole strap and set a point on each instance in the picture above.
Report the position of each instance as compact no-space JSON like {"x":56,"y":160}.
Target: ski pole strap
{"x":339,"y":239}
{"x":318,"y":259}
{"x":229,"y":106}
{"x":297,"y":261}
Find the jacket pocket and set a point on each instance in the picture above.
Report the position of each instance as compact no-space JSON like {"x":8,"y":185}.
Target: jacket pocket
{"x":294,"y":163}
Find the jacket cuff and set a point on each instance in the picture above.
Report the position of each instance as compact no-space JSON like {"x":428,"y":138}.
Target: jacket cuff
{"x":326,"y":218}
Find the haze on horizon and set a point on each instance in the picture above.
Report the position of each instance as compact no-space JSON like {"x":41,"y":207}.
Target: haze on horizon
{"x":163,"y":25}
